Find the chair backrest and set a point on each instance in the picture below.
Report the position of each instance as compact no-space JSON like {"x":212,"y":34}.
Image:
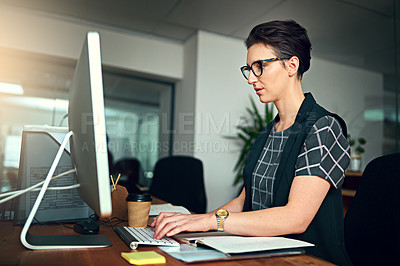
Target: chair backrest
{"x":179,"y":180}
{"x":372,"y":222}
{"x":132,"y":169}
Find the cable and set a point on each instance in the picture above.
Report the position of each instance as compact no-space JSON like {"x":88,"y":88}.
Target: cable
{"x":62,"y":119}
{"x":61,"y":188}
{"x":22,"y":191}
{"x":17,"y":193}
{"x":108,"y":222}
{"x":49,"y":188}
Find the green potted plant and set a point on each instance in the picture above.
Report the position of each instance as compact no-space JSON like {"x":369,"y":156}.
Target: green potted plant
{"x":357,"y":149}
{"x":247,"y":134}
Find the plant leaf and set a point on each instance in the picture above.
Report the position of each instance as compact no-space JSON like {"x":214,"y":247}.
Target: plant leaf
{"x":258,"y":119}
{"x":248,"y":133}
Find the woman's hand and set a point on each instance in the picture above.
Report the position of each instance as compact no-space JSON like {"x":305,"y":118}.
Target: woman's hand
{"x":172,"y":223}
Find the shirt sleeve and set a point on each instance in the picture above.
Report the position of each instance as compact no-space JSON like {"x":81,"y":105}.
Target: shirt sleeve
{"x":325,"y":153}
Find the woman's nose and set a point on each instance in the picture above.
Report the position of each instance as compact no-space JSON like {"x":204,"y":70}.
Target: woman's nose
{"x":252,"y":78}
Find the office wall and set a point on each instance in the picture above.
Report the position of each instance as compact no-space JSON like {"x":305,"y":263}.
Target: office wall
{"x":185,"y":101}
{"x":43,"y":34}
{"x":222,"y":95}
{"x":209,"y":104}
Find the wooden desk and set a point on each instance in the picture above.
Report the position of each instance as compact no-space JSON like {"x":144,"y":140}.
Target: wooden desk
{"x":12,"y":252}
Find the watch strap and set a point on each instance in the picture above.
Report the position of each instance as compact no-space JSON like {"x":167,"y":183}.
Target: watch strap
{"x":221,"y":222}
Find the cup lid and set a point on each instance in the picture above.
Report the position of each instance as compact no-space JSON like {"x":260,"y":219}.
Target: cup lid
{"x":138,"y":197}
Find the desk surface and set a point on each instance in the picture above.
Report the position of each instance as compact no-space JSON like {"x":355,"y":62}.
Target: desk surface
{"x":14,"y":253}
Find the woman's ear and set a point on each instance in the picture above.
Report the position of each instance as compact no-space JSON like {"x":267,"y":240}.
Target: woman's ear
{"x":292,"y":65}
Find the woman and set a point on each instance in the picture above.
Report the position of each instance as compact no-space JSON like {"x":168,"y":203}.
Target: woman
{"x":294,"y":172}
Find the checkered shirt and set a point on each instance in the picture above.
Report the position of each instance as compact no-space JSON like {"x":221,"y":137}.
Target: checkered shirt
{"x":325,"y":153}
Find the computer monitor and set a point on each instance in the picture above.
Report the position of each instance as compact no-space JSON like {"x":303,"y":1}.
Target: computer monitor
{"x":86,"y":120}
{"x":87,"y":135}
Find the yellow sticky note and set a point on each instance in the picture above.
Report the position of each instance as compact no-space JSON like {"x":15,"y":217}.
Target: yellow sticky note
{"x":143,"y":257}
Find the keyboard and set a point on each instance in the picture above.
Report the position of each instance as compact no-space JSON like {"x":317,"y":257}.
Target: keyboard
{"x":135,"y":236}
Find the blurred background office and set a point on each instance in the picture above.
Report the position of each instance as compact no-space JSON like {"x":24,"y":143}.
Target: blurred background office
{"x":171,"y":74}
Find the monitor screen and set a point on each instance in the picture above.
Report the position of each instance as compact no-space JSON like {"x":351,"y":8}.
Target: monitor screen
{"x":86,"y":120}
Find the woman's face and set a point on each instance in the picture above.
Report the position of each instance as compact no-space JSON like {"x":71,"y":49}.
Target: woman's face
{"x":272,"y":84}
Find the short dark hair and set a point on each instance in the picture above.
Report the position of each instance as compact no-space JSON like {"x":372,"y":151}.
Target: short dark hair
{"x":287,"y":38}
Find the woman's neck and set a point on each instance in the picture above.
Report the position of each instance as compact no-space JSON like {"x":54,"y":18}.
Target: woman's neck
{"x":288,"y":108}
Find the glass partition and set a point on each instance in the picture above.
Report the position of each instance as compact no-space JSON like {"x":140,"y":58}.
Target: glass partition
{"x":392,"y":88}
{"x":133,"y":105}
{"x":366,"y":44}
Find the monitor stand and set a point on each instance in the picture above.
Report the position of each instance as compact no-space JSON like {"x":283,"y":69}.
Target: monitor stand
{"x":57,"y":241}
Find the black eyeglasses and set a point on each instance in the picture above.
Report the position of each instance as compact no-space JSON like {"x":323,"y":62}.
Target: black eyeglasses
{"x":257,"y":67}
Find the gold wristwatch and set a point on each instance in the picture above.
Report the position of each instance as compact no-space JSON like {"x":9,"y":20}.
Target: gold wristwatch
{"x":221,"y":217}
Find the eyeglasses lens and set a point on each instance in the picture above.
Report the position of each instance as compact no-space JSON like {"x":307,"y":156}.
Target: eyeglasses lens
{"x":245,"y":71}
{"x":257,"y":68}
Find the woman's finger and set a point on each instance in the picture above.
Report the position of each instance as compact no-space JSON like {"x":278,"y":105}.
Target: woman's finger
{"x":164,"y":228}
{"x":169,"y":222}
{"x":153,"y":223}
{"x":179,"y":226}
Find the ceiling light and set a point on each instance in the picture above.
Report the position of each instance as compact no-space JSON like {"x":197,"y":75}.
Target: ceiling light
{"x":11,"y":88}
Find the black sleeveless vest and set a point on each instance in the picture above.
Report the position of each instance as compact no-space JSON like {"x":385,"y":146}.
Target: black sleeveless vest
{"x":326,"y":229}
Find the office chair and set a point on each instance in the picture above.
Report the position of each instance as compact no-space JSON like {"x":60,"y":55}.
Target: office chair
{"x":179,"y":180}
{"x":131,"y":169}
{"x":372,"y":222}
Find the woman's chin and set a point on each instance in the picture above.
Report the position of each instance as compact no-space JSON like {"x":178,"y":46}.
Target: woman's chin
{"x":265,"y":99}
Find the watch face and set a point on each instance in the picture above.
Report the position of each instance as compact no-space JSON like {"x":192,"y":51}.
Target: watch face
{"x":222,"y":213}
